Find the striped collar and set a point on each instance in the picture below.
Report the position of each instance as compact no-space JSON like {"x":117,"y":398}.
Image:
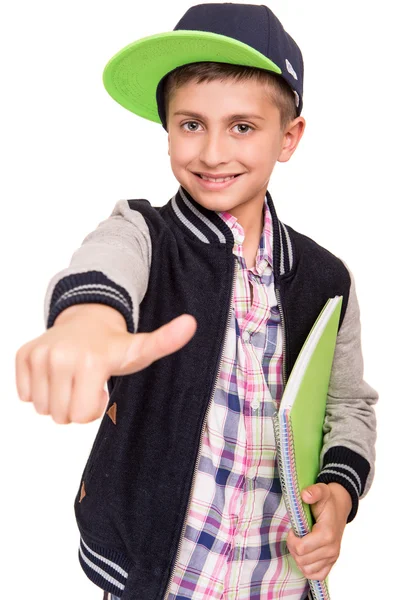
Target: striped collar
{"x":209,"y":227}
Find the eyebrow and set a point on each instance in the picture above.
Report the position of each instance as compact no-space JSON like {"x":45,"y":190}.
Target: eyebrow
{"x":228,"y":118}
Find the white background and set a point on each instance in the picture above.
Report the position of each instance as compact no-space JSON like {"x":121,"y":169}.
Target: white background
{"x":69,"y":152}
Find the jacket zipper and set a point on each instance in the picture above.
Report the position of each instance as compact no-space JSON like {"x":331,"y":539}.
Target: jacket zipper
{"x":202,"y":435}
{"x":278,"y":297}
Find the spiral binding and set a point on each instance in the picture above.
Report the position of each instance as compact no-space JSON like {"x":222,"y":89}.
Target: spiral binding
{"x":298,"y":519}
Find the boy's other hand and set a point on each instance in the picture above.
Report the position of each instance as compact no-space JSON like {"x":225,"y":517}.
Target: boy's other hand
{"x":316,"y":552}
{"x":64,"y":370}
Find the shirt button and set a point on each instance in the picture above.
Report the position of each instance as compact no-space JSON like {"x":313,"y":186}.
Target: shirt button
{"x":255,"y":404}
{"x":246,"y":336}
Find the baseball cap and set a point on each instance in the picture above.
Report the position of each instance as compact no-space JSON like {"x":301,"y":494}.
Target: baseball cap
{"x":242,"y":34}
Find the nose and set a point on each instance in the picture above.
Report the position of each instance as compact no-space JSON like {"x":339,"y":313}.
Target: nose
{"x":215,"y":149}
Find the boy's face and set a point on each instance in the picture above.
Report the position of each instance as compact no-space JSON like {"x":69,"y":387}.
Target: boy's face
{"x":206,"y":137}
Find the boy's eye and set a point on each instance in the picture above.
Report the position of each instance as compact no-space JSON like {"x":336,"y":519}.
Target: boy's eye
{"x":190,"y":123}
{"x":244,"y":125}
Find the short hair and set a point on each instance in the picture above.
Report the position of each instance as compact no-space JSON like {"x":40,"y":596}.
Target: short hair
{"x":280,"y":93}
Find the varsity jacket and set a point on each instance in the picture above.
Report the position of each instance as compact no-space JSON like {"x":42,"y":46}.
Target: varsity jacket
{"x":153,"y":264}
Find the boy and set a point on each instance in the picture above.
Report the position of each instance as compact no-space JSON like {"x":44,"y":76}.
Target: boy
{"x":180,"y":496}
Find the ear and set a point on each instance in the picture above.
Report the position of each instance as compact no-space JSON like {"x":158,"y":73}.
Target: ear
{"x":291,"y":138}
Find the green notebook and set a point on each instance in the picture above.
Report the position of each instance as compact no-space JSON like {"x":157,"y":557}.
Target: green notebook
{"x":298,"y":424}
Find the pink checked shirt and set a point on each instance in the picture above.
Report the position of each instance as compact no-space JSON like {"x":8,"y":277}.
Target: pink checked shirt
{"x":234,"y":545}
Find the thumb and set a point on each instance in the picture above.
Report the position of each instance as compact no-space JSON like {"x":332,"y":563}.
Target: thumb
{"x":139,"y":350}
{"x":314,"y":493}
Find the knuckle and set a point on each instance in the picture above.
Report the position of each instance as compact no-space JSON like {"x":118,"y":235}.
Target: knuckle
{"x":306,"y":570}
{"x":38,"y":355}
{"x":300,"y":562}
{"x":329,"y":538}
{"x":59,"y":356}
{"x":90,"y":361}
{"x":334,"y":555}
{"x":20,"y":355}
{"x":318,"y":575}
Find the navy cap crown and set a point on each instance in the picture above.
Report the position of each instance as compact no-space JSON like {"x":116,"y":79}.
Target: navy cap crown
{"x":254,"y":25}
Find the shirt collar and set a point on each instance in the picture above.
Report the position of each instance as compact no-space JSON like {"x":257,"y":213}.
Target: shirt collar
{"x":264,"y":253}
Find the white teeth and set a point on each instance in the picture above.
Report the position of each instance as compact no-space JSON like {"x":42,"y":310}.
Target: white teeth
{"x":217,"y":180}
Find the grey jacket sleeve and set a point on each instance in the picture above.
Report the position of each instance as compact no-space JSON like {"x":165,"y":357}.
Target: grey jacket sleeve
{"x":111,"y":267}
{"x":348,"y":452}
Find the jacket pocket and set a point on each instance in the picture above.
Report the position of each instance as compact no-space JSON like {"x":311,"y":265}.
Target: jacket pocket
{"x":92,"y":462}
{"x":103,"y":433}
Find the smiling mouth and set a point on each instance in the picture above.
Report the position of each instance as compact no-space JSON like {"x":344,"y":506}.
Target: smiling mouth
{"x":217,"y":179}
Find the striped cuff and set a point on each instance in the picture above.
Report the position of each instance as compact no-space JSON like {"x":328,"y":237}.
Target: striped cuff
{"x":350,"y":469}
{"x":90,"y":287}
{"x":107,"y":568}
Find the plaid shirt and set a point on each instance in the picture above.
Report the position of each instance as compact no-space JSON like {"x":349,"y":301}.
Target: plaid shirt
{"x":234,"y":546}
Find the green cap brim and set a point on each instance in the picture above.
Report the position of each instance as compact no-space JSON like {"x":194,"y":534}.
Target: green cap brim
{"x":132,"y":75}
